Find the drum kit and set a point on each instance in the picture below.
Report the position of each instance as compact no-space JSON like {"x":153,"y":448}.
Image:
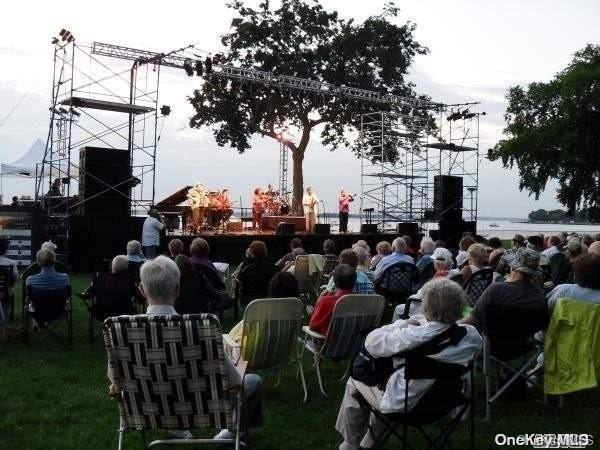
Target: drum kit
{"x":210,"y":210}
{"x":276,"y":204}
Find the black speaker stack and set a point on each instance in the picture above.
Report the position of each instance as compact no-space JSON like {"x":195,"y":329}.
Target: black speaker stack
{"x":448,"y":197}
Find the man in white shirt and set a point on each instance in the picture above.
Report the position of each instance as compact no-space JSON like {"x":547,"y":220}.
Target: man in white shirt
{"x":151,"y":233}
{"x":553,"y":244}
{"x":310,"y":202}
{"x":443,"y":301}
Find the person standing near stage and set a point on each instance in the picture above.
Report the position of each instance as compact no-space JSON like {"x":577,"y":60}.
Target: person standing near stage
{"x":151,"y":234}
{"x":258,"y":208}
{"x":310,"y":203}
{"x":344,"y":203}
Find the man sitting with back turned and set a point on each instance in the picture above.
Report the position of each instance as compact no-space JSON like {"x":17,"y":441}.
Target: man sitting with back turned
{"x":363,"y":284}
{"x":344,"y":276}
{"x":397,"y":256}
{"x":48,"y":278}
{"x":160,"y":287}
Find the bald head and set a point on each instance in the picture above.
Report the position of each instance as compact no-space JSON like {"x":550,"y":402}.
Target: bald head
{"x":594,"y":248}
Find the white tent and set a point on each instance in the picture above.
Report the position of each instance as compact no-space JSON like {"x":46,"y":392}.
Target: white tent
{"x":25,"y":165}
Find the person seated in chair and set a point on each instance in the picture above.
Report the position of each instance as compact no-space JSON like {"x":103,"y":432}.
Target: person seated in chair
{"x":296,"y":249}
{"x":383,"y":249}
{"x":48,"y":278}
{"x":519,"y":291}
{"x":35,"y":268}
{"x":398,"y":256}
{"x":344,"y":277}
{"x":115,"y":286}
{"x":586,"y":288}
{"x":7,"y":262}
{"x":199,"y":251}
{"x":254,"y":273}
{"x":134,"y":252}
{"x":331,"y":259}
{"x":443,"y":302}
{"x":160,"y":287}
{"x":426,"y":250}
{"x":478,"y":259}
{"x":175,"y":248}
{"x":363,"y":284}
{"x":196,"y":294}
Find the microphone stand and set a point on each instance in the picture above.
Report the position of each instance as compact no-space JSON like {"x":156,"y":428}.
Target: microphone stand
{"x":324,"y":213}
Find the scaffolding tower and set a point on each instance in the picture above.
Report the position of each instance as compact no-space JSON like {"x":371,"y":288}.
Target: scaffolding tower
{"x":401,"y":153}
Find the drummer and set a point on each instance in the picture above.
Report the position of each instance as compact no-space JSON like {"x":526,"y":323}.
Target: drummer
{"x":225,"y":205}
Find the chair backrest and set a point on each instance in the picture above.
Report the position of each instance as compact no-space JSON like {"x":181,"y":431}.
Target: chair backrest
{"x":254,"y":280}
{"x":49,"y":304}
{"x":113,"y":295}
{"x":353,"y":315}
{"x":457,"y":278}
{"x":271,"y":328}
{"x":170,"y":371}
{"x":399,"y":278}
{"x":426,"y":273}
{"x":6,"y":281}
{"x":478,"y":283}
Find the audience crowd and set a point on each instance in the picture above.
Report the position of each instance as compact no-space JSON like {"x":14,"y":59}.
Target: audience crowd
{"x":532,"y":275}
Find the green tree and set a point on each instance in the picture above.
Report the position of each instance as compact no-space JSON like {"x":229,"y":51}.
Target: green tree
{"x":553,"y":132}
{"x":303,"y":39}
{"x":540,"y":215}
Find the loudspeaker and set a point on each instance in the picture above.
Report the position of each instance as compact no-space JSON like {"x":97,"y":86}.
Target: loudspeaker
{"x":104,"y":181}
{"x":453,"y":230}
{"x":410,"y":228}
{"x":322,"y":228}
{"x":286,"y":228}
{"x":448,"y":197}
{"x":368,"y":228}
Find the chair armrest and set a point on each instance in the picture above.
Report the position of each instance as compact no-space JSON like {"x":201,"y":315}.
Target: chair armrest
{"x":306,"y":329}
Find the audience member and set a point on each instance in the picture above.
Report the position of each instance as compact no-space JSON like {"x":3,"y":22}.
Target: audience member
{"x":409,"y":242}
{"x":383,"y":248}
{"x":426,"y":249}
{"x":440,"y":243}
{"x":586,"y":287}
{"x":344,"y":277}
{"x":362,"y":243}
{"x":363,"y":259}
{"x":363,"y":285}
{"x":151,"y":229}
{"x":594,"y":248}
{"x":496,"y":253}
{"x":295,"y":250}
{"x":587,"y":240}
{"x":7,"y":262}
{"x":443,"y":302}
{"x":48,"y":278}
{"x":196,"y":294}
{"x":134,"y":252}
{"x":175,"y":248}
{"x":520,"y":290}
{"x":442,"y":262}
{"x":503,"y":267}
{"x":330,"y":259}
{"x":35,"y":268}
{"x":553,"y":247}
{"x":478,"y":259}
{"x":255,"y":273}
{"x":463,"y":246}
{"x":199,"y":251}
{"x":397,"y":256}
{"x":283,"y":285}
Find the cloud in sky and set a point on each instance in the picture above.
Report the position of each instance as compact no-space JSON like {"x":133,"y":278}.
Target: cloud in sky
{"x":478,"y":49}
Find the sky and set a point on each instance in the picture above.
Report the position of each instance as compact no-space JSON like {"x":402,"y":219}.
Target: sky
{"x":477,"y":50}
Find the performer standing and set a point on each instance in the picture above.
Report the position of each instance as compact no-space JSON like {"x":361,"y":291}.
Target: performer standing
{"x":258,"y":208}
{"x":344,"y":203}
{"x":310,"y":203}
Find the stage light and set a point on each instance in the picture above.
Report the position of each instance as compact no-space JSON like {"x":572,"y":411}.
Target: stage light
{"x":187,"y":66}
{"x":198,"y":67}
{"x":62,"y":32}
{"x":55,"y":40}
{"x":165,"y":110}
{"x":67,"y":36}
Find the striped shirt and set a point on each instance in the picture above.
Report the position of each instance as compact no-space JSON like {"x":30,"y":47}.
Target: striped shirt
{"x":48,"y":278}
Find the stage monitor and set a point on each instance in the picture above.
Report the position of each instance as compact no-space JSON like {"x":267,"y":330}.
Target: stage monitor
{"x":368,"y":228}
{"x":285,"y":228}
{"x":322,"y":228}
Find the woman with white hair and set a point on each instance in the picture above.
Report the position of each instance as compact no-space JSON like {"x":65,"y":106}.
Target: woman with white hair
{"x":442,"y":262}
{"x":443,"y":303}
{"x":478,"y":259}
{"x":425,"y":250}
{"x":134,"y":252}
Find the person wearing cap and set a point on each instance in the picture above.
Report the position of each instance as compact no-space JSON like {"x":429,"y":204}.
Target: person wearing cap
{"x":503,"y":267}
{"x":519,"y":291}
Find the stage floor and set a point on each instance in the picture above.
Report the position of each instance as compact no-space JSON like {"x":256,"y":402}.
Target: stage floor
{"x":231,"y":247}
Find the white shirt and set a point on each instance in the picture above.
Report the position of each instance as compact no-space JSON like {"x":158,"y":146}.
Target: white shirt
{"x":400,"y":336}
{"x":310,"y":203}
{"x":550,"y":251}
{"x":572,"y":291}
{"x":151,"y":232}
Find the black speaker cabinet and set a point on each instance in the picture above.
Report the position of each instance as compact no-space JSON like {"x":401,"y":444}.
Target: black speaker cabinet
{"x":409,"y":228}
{"x":368,"y":228}
{"x":322,"y":228}
{"x":286,"y":228}
{"x":104,"y":181}
{"x":448,"y":197}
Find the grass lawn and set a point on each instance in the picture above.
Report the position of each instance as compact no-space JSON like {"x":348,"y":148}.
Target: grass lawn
{"x":52,"y":398}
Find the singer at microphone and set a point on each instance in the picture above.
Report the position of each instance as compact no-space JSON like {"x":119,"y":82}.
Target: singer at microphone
{"x":344,"y":209}
{"x":310,"y":203}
